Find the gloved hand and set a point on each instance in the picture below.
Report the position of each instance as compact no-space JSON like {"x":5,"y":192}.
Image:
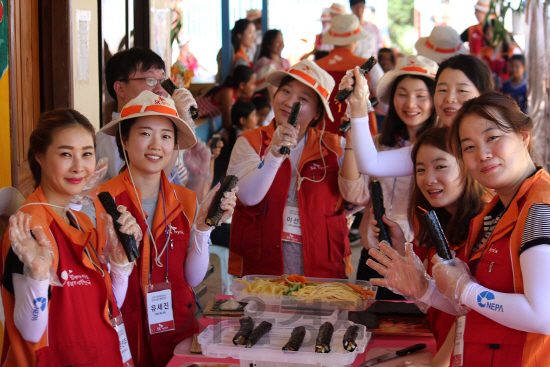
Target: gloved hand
{"x":197,"y":160}
{"x":285,"y":136}
{"x":403,"y":275}
{"x":394,"y":230}
{"x":35,"y":254}
{"x":113,"y":251}
{"x":358,"y":100}
{"x":451,"y":278}
{"x":183,"y":100}
{"x":89,"y":193}
{"x":228,"y":202}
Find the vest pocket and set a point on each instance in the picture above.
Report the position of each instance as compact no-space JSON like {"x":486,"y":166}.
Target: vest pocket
{"x":337,"y":230}
{"x":246,"y":232}
{"x":76,"y":354}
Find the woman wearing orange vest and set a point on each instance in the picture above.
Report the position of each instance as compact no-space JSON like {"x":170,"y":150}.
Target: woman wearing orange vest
{"x":499,"y":281}
{"x":61,"y":251}
{"x":160,"y":304}
{"x":289,"y":218}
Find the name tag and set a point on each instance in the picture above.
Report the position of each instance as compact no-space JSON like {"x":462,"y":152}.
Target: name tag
{"x":458,"y":352}
{"x":159,"y":308}
{"x":118,"y":324}
{"x":292,"y":229}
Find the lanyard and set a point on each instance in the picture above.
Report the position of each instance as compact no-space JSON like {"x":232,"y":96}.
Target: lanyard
{"x":166,"y":234}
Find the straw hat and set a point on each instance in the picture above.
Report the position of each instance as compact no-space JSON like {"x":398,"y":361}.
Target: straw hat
{"x":261,"y":76}
{"x":442,"y":43}
{"x":310,"y":74}
{"x":336,"y":9}
{"x":149,"y":104}
{"x":253,"y":14}
{"x":483,"y":5}
{"x":409,"y":65}
{"x":344,"y":30}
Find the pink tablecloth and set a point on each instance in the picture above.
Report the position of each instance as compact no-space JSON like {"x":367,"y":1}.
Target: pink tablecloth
{"x":377,"y":341}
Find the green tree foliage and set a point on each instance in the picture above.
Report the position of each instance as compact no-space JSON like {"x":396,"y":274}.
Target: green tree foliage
{"x":401,"y":24}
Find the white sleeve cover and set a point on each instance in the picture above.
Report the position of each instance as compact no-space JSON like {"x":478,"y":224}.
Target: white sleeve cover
{"x":30,"y":313}
{"x":255,"y":176}
{"x":526,"y":312}
{"x":433,"y":298}
{"x":119,"y":281}
{"x":389,"y":163}
{"x":198,"y":257}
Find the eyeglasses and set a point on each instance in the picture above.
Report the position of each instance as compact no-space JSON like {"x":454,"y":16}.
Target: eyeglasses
{"x":149,"y":81}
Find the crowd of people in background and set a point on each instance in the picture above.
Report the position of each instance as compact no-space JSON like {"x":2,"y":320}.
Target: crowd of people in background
{"x":446,"y":129}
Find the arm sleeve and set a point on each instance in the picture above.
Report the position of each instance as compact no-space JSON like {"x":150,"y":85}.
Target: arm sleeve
{"x":119,"y":281}
{"x":504,"y":308}
{"x":255,"y":176}
{"x":198,"y":257}
{"x":30,"y":312}
{"x":389,"y":163}
{"x":433,"y":298}
{"x":355,"y":191}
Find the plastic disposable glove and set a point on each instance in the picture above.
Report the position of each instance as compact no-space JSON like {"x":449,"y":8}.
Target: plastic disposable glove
{"x":89,"y":193}
{"x":404,"y":275}
{"x":113,"y":251}
{"x":183,"y":100}
{"x":286,"y":135}
{"x":197,"y":159}
{"x":394,"y":230}
{"x":228,"y":202}
{"x":358,"y":101}
{"x":451,"y":278}
{"x":35,"y":253}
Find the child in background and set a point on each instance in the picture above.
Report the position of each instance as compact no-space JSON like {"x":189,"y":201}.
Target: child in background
{"x":516,"y":85}
{"x":264,"y":112}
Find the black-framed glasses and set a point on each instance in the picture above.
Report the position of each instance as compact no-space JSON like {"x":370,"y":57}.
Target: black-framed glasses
{"x":150,"y":81}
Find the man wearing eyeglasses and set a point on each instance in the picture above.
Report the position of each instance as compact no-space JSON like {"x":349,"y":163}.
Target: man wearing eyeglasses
{"x":127,"y":74}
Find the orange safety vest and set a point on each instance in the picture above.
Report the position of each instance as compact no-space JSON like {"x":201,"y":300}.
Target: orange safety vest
{"x":79,"y":330}
{"x":180,"y":206}
{"x":256,"y":231}
{"x":499,"y":269}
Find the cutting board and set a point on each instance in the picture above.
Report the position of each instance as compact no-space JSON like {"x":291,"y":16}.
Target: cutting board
{"x":423,"y":356}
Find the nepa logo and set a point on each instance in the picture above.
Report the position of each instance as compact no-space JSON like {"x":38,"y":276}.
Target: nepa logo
{"x":484,"y":298}
{"x":39,"y":305}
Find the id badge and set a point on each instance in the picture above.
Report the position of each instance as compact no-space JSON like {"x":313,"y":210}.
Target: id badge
{"x":292,"y":229}
{"x":458,"y":352}
{"x":159,"y":307}
{"x":118,"y":324}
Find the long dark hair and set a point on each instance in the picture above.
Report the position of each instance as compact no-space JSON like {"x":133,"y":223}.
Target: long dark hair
{"x":457,"y":226}
{"x":267,"y":41}
{"x":50,"y":123}
{"x":479,"y":74}
{"x":393,"y":125}
{"x":239,"y":28}
{"x":241,"y":74}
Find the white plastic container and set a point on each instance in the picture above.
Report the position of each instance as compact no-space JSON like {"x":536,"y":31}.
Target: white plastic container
{"x":292,"y":316}
{"x":237,"y":289}
{"x":217,"y":341}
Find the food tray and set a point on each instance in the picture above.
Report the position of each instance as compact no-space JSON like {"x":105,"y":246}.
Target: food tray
{"x":361,"y":305}
{"x":293,"y":315}
{"x":217,"y":341}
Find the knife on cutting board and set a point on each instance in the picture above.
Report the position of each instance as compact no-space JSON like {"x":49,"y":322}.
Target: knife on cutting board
{"x":400,"y":353}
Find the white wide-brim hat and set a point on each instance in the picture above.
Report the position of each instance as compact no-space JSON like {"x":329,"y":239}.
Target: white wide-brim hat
{"x":336,"y":8}
{"x":442,"y":43}
{"x":261,"y":76}
{"x":150,"y":104}
{"x":409,"y":65}
{"x":308,"y":73}
{"x":344,"y":30}
{"x":253,"y":14}
{"x":483,"y":5}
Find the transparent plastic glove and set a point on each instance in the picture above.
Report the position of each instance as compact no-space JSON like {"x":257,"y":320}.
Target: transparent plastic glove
{"x":394,"y":230}
{"x":348,"y":108}
{"x":451,"y":278}
{"x":90,"y":191}
{"x":197,"y":159}
{"x":228,"y":202}
{"x":285,"y":136}
{"x":405,"y":275}
{"x":358,"y":100}
{"x":183,"y":100}
{"x":113,"y":252}
{"x":35,"y":253}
